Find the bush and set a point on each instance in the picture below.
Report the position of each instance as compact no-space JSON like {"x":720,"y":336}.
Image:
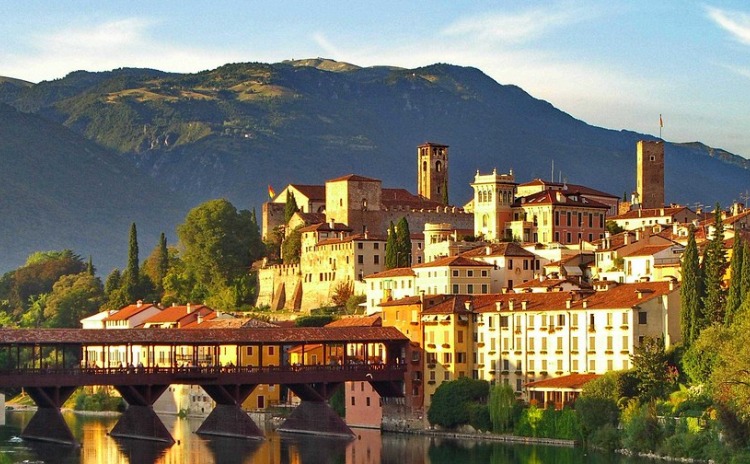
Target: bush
{"x":641,"y":430}
{"x":479,"y":417}
{"x":99,"y":401}
{"x":313,"y":320}
{"x":606,"y":437}
{"x":596,"y":413}
{"x":452,"y":400}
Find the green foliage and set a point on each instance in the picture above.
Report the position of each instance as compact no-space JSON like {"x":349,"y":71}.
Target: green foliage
{"x":403,"y":243}
{"x":73,"y":298}
{"x":319,"y":320}
{"x":714,"y":266}
{"x":156,"y":266}
{"x":338,"y":402}
{"x":215,"y":238}
{"x":479,"y":417}
{"x":290,"y":207}
{"x":501,"y":405}
{"x":594,"y":413}
{"x":745,"y":278}
{"x":291,"y":247}
{"x":353,"y":304}
{"x":450,"y":403}
{"x":699,"y":360}
{"x":613,"y":228}
{"x":391,"y":248}
{"x":549,"y":423}
{"x":640,"y":427}
{"x":691,"y":291}
{"x":101,"y":400}
{"x":445,"y":198}
{"x":734,"y":293}
{"x":613,"y":385}
{"x":342,"y":292}
{"x":132,"y":281}
{"x":655,"y":375}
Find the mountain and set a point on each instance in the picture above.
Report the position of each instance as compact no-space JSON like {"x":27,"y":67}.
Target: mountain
{"x":231,"y":131}
{"x":59,"y":190}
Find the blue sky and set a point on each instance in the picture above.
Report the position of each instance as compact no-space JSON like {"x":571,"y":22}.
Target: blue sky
{"x":614,"y":64}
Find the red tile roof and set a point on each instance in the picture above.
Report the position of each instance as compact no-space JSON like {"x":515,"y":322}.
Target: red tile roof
{"x":312,"y":192}
{"x":650,"y":213}
{"x":235,"y":323}
{"x":326,"y":227}
{"x":452,"y":261}
{"x":565,"y":382}
{"x":396,"y":272}
{"x":409,"y":300}
{"x":219,"y":336}
{"x":582,"y":189}
{"x":361,"y":321}
{"x":446,"y":304}
{"x":646,"y":251}
{"x":129,"y":311}
{"x":176,"y":313}
{"x":400,"y":197}
{"x":549,"y":197}
{"x":498,"y":249}
{"x":354,"y":178}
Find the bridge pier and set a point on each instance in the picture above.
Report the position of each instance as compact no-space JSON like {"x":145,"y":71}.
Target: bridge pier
{"x":314,"y":415}
{"x":228,"y":419}
{"x":47,"y":423}
{"x":139,"y":420}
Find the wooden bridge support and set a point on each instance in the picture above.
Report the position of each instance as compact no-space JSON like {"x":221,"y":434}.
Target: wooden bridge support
{"x":139,"y":420}
{"x":314,"y":415}
{"x":48,"y":424}
{"x":228,"y":419}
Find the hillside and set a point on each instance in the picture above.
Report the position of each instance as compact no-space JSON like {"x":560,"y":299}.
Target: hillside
{"x":230,"y":131}
{"x":60,"y":191}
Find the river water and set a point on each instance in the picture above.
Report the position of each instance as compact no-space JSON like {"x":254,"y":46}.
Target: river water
{"x":369,"y":447}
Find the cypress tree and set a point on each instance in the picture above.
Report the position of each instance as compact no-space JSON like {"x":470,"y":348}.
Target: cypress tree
{"x":391,"y":248}
{"x":257,"y":248}
{"x":445,"y":191}
{"x":691,"y":290}
{"x":745,"y":278}
{"x":291,"y":207}
{"x":90,"y":269}
{"x":163,"y":260}
{"x":714,"y":265}
{"x":403,"y":243}
{"x":734,"y":294}
{"x":132,"y":277}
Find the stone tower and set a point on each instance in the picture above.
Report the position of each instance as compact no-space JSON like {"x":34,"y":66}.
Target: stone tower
{"x":432,"y":172}
{"x":650,"y":174}
{"x":494,"y":195}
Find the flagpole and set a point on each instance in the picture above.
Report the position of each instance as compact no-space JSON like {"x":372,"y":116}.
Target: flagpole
{"x":661,"y":124}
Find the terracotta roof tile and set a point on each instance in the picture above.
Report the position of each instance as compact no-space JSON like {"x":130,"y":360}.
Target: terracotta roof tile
{"x":650,"y":213}
{"x":361,"y":321}
{"x":567,"y":382}
{"x":354,"y":178}
{"x":498,"y":249}
{"x":313,"y":192}
{"x":129,"y":311}
{"x":451,"y":261}
{"x":176,"y":313}
{"x":396,"y":272}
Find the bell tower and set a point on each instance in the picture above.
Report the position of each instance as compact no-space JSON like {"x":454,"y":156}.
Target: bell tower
{"x":432,"y":172}
{"x":650,"y":173}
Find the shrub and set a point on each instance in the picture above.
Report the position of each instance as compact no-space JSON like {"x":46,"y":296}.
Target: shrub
{"x":451,"y":402}
{"x":641,"y":430}
{"x":479,"y":417}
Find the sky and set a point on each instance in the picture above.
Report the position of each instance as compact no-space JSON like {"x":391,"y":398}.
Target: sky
{"x":613,"y":64}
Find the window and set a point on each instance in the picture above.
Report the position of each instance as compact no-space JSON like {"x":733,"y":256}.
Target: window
{"x":368,"y":401}
{"x":470,"y":289}
{"x":609,"y":343}
{"x":484,"y":288}
{"x":376,"y":259}
{"x":447,"y":358}
{"x":461,"y":358}
{"x":642,"y":317}
{"x":376,"y":245}
{"x":360,"y":259}
{"x":592,"y":365}
{"x":561,"y":320}
{"x":504,"y":321}
{"x":559,"y":343}
{"x":360,"y":245}
{"x":446,"y":375}
{"x":484,"y":273}
{"x":530,"y":344}
{"x":469,"y":273}
{"x":460,"y":336}
{"x":574,"y":344}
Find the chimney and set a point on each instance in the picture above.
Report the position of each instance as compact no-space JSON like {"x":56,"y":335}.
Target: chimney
{"x":330,"y":224}
{"x":188,"y":308}
{"x":498,"y":305}
{"x":488,"y":250}
{"x":200,"y":318}
{"x":568,"y":303}
{"x":467,"y":305}
{"x":523,"y":304}
{"x":139,"y":303}
{"x":511,"y":304}
{"x":637,"y":234}
{"x":626,"y":238}
{"x":585,"y":304}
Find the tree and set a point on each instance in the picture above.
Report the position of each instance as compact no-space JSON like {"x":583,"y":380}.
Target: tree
{"x":391,"y":248}
{"x":501,"y":402}
{"x":132,"y":271}
{"x":291,"y":248}
{"x":90,"y":266}
{"x":73,"y":298}
{"x":652,"y":369}
{"x":290,"y":207}
{"x":613,"y":228}
{"x":342,"y":292}
{"x":734,"y":294}
{"x":714,"y":265}
{"x":691,"y":291}
{"x":745,"y":278}
{"x":451,"y":401}
{"x":445,"y":191}
{"x":215,"y":240}
{"x":699,"y":360}
{"x":403,"y":243}
{"x":156,"y":266}
{"x":257,"y":248}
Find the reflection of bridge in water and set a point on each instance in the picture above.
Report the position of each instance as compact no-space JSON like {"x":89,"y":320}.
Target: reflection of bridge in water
{"x":51,"y":363}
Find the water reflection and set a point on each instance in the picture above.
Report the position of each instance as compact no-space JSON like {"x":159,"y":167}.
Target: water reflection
{"x":368,"y":447}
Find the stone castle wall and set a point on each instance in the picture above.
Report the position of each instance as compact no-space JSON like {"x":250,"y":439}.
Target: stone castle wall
{"x":274,"y":280}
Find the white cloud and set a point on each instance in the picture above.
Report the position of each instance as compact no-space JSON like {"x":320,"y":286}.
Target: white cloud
{"x":97,"y":47}
{"x":734,"y":22}
{"x":517,"y":27}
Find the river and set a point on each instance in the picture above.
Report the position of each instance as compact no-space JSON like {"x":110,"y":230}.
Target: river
{"x":369,"y":447}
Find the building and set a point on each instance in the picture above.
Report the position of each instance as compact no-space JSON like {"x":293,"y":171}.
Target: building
{"x":664,"y":217}
{"x":539,"y":185}
{"x":452,"y":275}
{"x":432,"y":172}
{"x":650,"y":174}
{"x":511,"y":264}
{"x":492,"y":205}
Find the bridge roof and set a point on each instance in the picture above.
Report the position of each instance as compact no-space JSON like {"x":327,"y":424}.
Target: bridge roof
{"x":278,"y":336}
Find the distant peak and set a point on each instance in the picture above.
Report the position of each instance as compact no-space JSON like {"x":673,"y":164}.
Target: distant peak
{"x":325,"y":64}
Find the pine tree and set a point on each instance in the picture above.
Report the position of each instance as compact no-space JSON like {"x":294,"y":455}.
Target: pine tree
{"x":734,"y":294}
{"x":391,"y":248}
{"x":745,"y":279}
{"x":132,"y":276}
{"x":691,"y":291}
{"x":714,"y":265}
{"x":403,"y":243}
{"x":90,"y":269}
{"x":291,"y":207}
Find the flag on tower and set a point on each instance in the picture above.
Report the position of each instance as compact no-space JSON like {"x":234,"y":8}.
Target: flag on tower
{"x":661,"y":121}
{"x":271,"y":193}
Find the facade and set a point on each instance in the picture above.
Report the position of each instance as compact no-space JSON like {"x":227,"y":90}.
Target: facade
{"x":393,"y":284}
{"x":511,"y":264}
{"x":441,"y":240}
{"x":452,"y":275}
{"x":650,"y":173}
{"x":432,"y":172}
{"x":652,"y":217}
{"x":539,"y":185}
{"x":494,"y":195}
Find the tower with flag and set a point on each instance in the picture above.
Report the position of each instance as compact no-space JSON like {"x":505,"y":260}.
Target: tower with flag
{"x":271,"y":193}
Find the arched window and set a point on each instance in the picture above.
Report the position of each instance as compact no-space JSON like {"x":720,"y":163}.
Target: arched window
{"x":424,"y":165}
{"x":485,"y":219}
{"x":438,"y":166}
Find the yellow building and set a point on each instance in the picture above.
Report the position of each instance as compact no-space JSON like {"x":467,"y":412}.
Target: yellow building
{"x":448,"y":340}
{"x":453,"y":275}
